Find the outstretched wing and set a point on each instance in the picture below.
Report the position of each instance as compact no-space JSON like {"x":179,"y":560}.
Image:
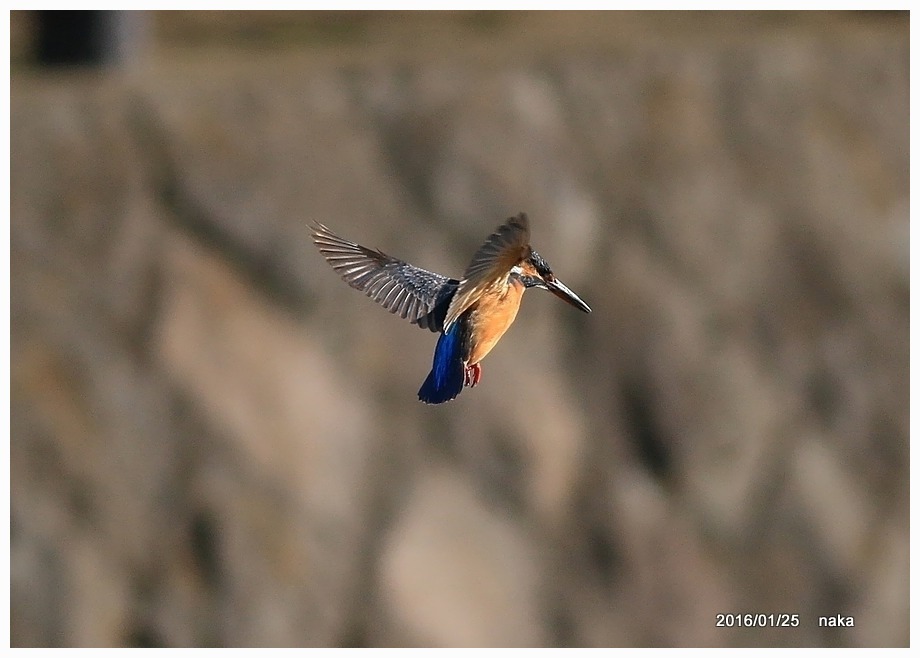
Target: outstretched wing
{"x":420,"y":296}
{"x":491,"y":264}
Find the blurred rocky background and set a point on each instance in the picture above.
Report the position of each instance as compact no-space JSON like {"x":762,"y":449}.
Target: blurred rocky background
{"x":214,"y":441}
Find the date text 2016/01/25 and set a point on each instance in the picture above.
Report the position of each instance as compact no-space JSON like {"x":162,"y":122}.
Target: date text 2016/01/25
{"x":756,"y":619}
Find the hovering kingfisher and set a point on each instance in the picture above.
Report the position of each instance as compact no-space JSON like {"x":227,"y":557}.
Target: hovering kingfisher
{"x":471,"y":313}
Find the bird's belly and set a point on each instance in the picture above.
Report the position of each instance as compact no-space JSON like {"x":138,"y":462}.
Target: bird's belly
{"x":491,"y":319}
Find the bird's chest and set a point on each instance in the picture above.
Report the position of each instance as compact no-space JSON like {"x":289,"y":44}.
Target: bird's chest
{"x":490,"y":318}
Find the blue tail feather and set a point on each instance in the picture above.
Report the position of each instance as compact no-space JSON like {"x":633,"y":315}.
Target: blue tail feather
{"x":445,"y":381}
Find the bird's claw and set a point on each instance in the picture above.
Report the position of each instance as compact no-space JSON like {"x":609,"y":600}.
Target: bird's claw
{"x":472,"y":375}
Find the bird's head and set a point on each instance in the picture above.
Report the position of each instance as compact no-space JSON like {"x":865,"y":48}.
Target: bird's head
{"x":535,"y":272}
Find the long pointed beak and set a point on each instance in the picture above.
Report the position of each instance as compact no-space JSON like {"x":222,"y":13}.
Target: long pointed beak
{"x":562,"y":292}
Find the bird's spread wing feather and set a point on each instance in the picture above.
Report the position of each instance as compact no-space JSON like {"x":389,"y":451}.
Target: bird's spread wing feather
{"x":420,"y":296}
{"x":491,"y":264}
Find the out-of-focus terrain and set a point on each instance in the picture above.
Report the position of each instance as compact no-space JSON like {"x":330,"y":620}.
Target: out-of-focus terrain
{"x":214,"y":441}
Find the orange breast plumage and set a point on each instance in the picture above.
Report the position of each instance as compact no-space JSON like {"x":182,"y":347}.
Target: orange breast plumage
{"x":491,"y":317}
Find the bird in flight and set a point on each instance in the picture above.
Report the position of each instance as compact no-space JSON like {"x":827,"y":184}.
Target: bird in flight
{"x":471,"y":313}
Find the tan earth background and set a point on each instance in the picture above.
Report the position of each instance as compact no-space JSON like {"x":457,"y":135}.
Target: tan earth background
{"x":214,"y":441}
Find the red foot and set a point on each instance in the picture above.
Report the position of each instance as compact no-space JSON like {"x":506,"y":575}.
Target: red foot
{"x":472,"y":375}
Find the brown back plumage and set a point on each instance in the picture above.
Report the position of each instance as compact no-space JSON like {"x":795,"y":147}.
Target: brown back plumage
{"x":491,"y":265}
